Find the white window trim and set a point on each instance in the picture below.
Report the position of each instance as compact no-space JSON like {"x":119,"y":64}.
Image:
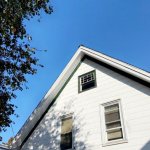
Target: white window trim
{"x":80,"y":90}
{"x":105,"y":141}
{"x":65,"y":116}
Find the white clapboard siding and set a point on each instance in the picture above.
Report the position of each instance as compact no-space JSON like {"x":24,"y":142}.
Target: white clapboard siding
{"x":85,"y":107}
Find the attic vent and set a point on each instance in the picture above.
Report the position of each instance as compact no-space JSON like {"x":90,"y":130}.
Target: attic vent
{"x":87,"y":81}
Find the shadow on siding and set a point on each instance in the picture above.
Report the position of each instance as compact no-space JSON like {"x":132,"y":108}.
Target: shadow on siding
{"x":47,"y":135}
{"x":146,"y":146}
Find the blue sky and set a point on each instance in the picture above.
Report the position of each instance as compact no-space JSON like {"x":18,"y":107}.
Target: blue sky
{"x":119,"y":28}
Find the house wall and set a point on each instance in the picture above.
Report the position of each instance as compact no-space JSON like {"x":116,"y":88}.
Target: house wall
{"x":4,"y":147}
{"x":85,"y":106}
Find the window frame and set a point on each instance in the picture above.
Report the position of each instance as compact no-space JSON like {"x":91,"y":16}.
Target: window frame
{"x":105,"y":141}
{"x":79,"y":83}
{"x":70,"y":115}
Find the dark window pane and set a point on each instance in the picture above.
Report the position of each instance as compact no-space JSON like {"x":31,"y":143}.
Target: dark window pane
{"x":114,"y":135}
{"x":66,"y":141}
{"x":111,"y":107}
{"x":88,"y":85}
{"x":112,"y":116}
{"x":113,"y":125}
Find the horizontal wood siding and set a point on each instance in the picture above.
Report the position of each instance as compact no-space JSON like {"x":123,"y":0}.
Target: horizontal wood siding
{"x":85,"y":106}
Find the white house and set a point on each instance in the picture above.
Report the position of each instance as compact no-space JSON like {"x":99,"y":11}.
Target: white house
{"x":97,"y":103}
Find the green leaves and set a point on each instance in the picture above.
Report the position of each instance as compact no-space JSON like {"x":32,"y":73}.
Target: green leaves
{"x":16,"y":56}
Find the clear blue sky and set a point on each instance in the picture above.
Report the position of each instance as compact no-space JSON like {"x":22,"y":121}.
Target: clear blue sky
{"x":119,"y":28}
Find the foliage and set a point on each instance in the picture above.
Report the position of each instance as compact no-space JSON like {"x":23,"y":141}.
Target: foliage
{"x":9,"y":143}
{"x":16,"y":55}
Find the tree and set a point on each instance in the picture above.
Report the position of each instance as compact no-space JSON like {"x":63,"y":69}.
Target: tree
{"x":16,"y":55}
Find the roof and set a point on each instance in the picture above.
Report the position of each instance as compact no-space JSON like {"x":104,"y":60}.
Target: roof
{"x":51,"y":95}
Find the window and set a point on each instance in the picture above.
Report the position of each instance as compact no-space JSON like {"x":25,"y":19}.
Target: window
{"x":112,"y":124}
{"x":87,"y":81}
{"x":66,"y":133}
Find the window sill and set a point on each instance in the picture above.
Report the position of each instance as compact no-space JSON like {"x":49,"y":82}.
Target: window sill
{"x":115,"y":142}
